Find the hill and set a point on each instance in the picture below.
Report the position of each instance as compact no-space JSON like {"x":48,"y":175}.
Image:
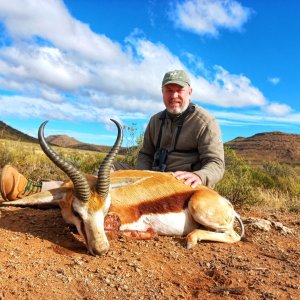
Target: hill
{"x":10,"y":133}
{"x":69,"y":142}
{"x":62,"y":141}
{"x":268,"y":146}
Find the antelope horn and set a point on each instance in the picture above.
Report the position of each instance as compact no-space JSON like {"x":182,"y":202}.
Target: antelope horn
{"x":103,"y":181}
{"x":82,"y":189}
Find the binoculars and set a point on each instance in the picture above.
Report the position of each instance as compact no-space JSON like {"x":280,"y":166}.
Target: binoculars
{"x":159,"y":161}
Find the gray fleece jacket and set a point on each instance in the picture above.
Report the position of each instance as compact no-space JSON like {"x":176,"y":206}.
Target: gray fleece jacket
{"x":199,"y":147}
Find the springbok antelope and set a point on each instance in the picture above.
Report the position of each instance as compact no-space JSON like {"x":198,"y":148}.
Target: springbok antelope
{"x":138,"y":204}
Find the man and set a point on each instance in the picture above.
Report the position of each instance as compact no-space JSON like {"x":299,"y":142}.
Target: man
{"x":183,"y":139}
{"x":186,"y":136}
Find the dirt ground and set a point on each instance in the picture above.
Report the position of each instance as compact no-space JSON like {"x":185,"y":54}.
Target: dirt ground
{"x":42,"y":258}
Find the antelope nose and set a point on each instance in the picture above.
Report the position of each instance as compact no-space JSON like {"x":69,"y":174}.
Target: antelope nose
{"x":101,"y":249}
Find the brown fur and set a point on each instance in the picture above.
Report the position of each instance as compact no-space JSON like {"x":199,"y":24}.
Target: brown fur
{"x":146,"y":192}
{"x":136,"y":193}
{"x":173,"y":203}
{"x":152,"y":192}
{"x":95,"y":203}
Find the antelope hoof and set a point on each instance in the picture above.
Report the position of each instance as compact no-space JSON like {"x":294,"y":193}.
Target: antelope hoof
{"x":189,"y":246}
{"x":191,"y":240}
{"x":190,"y":243}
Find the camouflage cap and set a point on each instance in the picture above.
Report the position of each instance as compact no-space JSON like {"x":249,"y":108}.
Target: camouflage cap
{"x":177,"y":76}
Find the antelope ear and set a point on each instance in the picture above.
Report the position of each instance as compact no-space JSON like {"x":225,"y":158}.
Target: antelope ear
{"x":118,"y":182}
{"x":46,"y":199}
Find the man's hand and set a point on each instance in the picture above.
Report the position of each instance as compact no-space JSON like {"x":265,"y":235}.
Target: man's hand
{"x":189,"y":178}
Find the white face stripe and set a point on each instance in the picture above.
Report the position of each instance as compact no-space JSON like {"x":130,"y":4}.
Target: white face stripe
{"x":93,"y":222}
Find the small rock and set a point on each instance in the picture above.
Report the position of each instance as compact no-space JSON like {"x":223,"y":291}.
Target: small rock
{"x":261,"y":224}
{"x":283,"y":229}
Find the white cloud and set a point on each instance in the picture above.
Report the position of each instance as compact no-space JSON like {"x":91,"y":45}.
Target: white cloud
{"x":207,"y":17}
{"x":133,"y":85}
{"x":255,"y":118}
{"x":78,"y":74}
{"x":46,"y":65}
{"x":227,"y":90}
{"x":274,"y":80}
{"x":50,"y":20}
{"x":72,"y":110}
{"x":41,"y":108}
{"x":277,"y":109}
{"x":51,"y":95}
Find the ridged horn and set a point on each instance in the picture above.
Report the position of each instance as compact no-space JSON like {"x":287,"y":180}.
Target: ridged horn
{"x":103,"y":181}
{"x":81,"y":186}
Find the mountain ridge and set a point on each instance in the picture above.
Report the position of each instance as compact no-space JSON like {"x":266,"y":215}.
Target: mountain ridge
{"x":265,"y":146}
{"x":268,"y":146}
{"x":10,"y":133}
{"x":66,"y":141}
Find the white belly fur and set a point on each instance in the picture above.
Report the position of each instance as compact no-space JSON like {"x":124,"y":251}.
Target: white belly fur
{"x":164,"y":224}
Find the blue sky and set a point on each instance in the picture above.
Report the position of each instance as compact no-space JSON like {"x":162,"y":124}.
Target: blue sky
{"x":80,"y":63}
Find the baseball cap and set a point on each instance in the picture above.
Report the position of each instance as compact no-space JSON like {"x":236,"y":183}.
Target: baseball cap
{"x":177,"y":76}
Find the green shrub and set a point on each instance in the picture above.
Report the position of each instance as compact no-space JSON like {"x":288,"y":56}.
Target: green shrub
{"x":285,"y":177}
{"x":272,"y":185}
{"x":133,"y":145}
{"x":87,"y":163}
{"x":236,"y":184}
{"x":261,"y":179}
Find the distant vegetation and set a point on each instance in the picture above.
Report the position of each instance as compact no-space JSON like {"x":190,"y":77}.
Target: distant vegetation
{"x":268,"y":184}
{"x":272,"y":185}
{"x":32,"y":162}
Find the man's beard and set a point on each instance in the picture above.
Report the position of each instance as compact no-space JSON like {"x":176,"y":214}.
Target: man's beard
{"x":179,"y":110}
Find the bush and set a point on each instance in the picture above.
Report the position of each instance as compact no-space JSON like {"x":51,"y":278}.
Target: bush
{"x":86,"y":162}
{"x":133,"y":145}
{"x":261,"y":179}
{"x":285,"y":177}
{"x":272,"y":185}
{"x":236,"y":184}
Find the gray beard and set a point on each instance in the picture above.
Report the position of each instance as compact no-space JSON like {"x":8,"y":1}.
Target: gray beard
{"x":179,"y":110}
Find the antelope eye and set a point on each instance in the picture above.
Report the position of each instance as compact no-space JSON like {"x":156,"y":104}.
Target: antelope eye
{"x":76,"y":214}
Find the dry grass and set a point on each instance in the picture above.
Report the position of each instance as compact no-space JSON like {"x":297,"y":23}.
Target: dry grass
{"x":32,"y":162}
{"x":273,"y":186}
{"x":273,"y":199}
